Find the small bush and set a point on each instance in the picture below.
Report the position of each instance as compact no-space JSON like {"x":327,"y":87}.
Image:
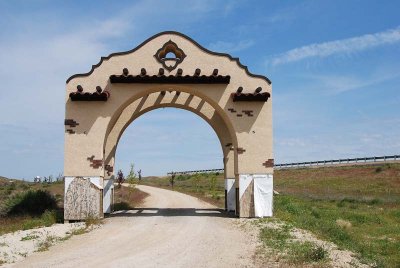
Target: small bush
{"x":29,"y":237}
{"x":122,"y":206}
{"x":374,"y":201}
{"x":343,"y":224}
{"x":79,"y":231}
{"x":378,"y":169}
{"x":49,"y":217}
{"x":33,"y":203}
{"x":306,"y":252}
{"x":276,"y":238}
{"x":31,"y":223}
{"x":90,"y":220}
{"x":24,"y":186}
{"x":44,"y":245}
{"x":11,"y":186}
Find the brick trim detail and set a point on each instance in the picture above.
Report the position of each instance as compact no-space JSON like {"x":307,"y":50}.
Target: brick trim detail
{"x":95,"y":163}
{"x":70,"y":123}
{"x":269,"y":163}
{"x":109,"y":169}
{"x":240,"y":150}
{"x":249,"y":113}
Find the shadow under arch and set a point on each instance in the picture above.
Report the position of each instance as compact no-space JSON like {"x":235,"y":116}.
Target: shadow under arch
{"x":173,"y":212}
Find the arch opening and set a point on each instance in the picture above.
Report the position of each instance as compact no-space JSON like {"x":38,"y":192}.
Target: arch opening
{"x":183,"y":101}
{"x":171,"y":134}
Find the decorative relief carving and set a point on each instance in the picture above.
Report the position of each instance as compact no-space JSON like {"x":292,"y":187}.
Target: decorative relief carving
{"x":163,"y":55}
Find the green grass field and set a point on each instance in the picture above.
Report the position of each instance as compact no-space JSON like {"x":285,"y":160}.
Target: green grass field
{"x":356,"y":207}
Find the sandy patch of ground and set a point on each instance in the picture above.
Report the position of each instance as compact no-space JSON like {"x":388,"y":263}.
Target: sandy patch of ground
{"x":17,"y":246}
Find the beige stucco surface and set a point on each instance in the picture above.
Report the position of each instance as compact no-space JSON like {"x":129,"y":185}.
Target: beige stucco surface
{"x":246,"y":141}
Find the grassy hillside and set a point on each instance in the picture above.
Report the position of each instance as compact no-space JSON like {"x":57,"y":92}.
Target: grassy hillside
{"x":365,"y":183}
{"x":9,"y":187}
{"x":356,"y":207}
{"x":26,"y":205}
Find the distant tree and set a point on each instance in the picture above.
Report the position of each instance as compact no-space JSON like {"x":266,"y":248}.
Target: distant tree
{"x":196,"y":180}
{"x":120,"y":178}
{"x":213,"y":183}
{"x":172,"y":179}
{"x":60,"y":177}
{"x":132,"y":175}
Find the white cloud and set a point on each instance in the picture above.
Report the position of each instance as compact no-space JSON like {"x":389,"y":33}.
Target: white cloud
{"x":335,"y":84}
{"x":343,"y":46}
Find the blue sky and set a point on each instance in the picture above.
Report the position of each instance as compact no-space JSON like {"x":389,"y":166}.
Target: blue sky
{"x":334,"y":66}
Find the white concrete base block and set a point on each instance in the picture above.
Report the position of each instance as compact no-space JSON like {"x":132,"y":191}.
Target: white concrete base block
{"x":263,"y":195}
{"x":230,"y":194}
{"x":256,"y":195}
{"x":108,"y":198}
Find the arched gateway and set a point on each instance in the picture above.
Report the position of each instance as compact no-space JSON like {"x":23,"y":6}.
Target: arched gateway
{"x":167,"y":70}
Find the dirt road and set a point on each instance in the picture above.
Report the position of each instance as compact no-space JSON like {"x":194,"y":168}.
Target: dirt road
{"x":170,"y":230}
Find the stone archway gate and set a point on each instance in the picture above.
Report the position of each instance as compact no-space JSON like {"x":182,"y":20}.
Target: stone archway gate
{"x":167,"y":70}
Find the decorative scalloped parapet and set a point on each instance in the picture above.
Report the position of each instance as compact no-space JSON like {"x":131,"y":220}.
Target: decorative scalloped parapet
{"x":171,"y":33}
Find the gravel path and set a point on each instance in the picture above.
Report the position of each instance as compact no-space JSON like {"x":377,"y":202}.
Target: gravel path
{"x":170,"y":230}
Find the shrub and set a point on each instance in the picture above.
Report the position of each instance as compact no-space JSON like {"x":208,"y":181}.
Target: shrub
{"x":33,"y":203}
{"x":49,"y":217}
{"x":122,"y":206}
{"x":306,"y":252}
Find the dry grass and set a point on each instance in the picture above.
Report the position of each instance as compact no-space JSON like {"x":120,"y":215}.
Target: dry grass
{"x":128,"y":197}
{"x":364,"y":183}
